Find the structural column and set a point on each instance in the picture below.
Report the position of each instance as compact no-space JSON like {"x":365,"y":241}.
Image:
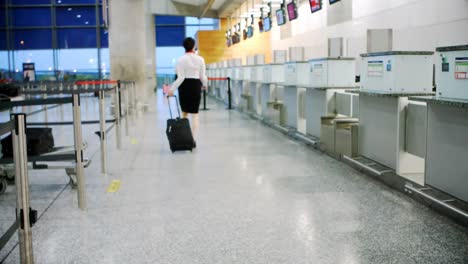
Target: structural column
{"x":132,"y":45}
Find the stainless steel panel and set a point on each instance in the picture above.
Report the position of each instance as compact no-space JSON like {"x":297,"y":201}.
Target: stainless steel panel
{"x":416,"y":115}
{"x":447,"y":150}
{"x":343,"y":104}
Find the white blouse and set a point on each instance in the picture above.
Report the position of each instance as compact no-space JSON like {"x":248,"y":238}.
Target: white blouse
{"x":190,"y":66}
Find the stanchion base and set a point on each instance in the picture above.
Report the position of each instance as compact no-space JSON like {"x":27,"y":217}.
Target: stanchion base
{"x":206,"y":109}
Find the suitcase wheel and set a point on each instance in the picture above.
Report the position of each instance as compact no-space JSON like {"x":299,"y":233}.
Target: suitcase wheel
{"x":3,"y":185}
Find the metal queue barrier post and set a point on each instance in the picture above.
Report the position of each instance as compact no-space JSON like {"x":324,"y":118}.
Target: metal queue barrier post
{"x":134,"y":97}
{"x":204,"y":101}
{"x":102,"y":132}
{"x":24,"y":214}
{"x":126,"y":108}
{"x":229,"y":92}
{"x":79,"y":151}
{"x":117,"y":115}
{"x":77,"y":122}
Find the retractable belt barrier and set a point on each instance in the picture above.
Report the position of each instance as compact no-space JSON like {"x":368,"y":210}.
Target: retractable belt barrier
{"x":76,"y":89}
{"x":99,"y":88}
{"x":229,"y":92}
{"x":25,"y":216}
{"x":77,"y":157}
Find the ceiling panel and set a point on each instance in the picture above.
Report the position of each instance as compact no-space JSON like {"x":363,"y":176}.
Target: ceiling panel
{"x":191,"y":2}
{"x":217,"y":4}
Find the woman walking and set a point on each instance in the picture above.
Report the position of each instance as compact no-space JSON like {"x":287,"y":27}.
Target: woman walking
{"x":191,"y":77}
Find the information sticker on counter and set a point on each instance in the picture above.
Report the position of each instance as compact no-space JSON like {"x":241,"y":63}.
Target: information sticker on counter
{"x":375,"y":68}
{"x":291,"y":68}
{"x":318,"y":70}
{"x":461,"y":68}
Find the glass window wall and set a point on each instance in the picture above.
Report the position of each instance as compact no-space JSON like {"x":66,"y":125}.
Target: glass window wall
{"x":78,"y":64}
{"x":31,"y":17}
{"x":170,"y":32}
{"x":76,"y":16}
{"x":42,"y":59}
{"x":57,"y":35}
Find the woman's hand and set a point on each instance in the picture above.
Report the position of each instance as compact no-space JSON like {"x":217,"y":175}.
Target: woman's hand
{"x":170,"y":93}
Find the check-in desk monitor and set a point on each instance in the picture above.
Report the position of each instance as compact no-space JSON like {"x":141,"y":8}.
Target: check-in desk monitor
{"x":397,"y":72}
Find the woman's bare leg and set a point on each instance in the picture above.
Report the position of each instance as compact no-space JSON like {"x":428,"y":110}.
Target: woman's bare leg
{"x":195,"y":122}
{"x":184,"y":115}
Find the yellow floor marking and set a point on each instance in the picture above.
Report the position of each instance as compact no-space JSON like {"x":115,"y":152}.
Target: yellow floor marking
{"x":134,"y":141}
{"x":114,"y":186}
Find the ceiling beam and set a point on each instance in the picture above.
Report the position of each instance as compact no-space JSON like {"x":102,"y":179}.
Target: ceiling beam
{"x":207,"y":7}
{"x":180,"y":9}
{"x":228,"y":7}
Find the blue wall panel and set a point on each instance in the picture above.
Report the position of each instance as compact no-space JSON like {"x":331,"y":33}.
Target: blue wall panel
{"x":76,"y":16}
{"x":27,"y":17}
{"x":169,"y":36}
{"x":76,"y":38}
{"x":32,"y":39}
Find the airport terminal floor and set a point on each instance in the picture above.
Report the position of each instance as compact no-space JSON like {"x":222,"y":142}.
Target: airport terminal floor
{"x":247,"y":194}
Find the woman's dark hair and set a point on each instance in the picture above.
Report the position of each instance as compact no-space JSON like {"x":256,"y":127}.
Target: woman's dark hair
{"x":189,"y":44}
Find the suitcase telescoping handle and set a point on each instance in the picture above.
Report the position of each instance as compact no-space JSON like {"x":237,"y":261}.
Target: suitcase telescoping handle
{"x":169,"y":103}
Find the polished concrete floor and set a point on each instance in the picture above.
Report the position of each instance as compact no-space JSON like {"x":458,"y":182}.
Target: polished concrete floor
{"x":248,"y":194}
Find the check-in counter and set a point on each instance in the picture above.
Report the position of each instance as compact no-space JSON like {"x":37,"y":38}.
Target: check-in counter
{"x":332,"y":72}
{"x":275,"y":108}
{"x":447,"y":145}
{"x":223,"y":84}
{"x":321,"y":101}
{"x":272,"y":93}
{"x":296,"y":78}
{"x":245,"y":92}
{"x":447,"y":124}
{"x":328,"y":77}
{"x":404,"y":72}
{"x":383,"y":133}
{"x":237,"y":84}
{"x":388,"y":79}
{"x":209,"y":73}
{"x":339,"y":130}
{"x":216,"y":90}
{"x":339,"y":136}
{"x":347,"y":103}
{"x":257,"y":88}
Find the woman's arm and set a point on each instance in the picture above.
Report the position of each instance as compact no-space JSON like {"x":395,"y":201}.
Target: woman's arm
{"x":180,"y":77}
{"x":203,"y":77}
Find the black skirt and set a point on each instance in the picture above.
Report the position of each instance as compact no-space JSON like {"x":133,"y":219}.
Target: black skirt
{"x":190,"y":95}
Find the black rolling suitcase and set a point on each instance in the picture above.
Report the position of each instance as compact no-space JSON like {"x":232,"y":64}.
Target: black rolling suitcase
{"x":7,"y":91}
{"x":178,"y":131}
{"x":39,"y":140}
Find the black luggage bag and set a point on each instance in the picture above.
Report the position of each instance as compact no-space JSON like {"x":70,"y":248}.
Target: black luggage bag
{"x":7,"y":91}
{"x":178,"y":131}
{"x":39,"y":140}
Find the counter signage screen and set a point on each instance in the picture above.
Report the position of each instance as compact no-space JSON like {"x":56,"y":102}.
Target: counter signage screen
{"x":333,"y":1}
{"x":235,"y":38}
{"x":280,"y":17}
{"x":250,"y":31}
{"x":260,"y":25}
{"x":292,"y":11}
{"x":266,"y":24}
{"x":315,"y":5}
